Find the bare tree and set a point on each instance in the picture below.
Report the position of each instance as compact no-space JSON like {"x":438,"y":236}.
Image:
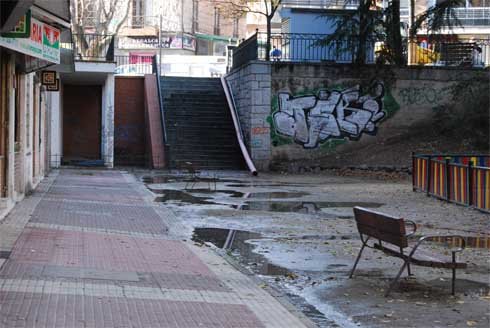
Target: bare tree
{"x":239,"y":8}
{"x":102,"y":18}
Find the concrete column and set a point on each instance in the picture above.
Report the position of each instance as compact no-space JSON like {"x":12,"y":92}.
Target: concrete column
{"x":107,"y":141}
{"x":29,"y":119}
{"x":55,"y":130}
{"x":11,"y":133}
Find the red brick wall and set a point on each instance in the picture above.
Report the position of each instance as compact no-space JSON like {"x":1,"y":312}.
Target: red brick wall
{"x":129,"y":121}
{"x":82,"y":121}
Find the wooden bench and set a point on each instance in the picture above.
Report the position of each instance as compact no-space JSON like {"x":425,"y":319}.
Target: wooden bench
{"x":389,"y":235}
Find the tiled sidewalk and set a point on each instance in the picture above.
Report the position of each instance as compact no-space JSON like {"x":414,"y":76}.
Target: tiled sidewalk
{"x":95,"y":254}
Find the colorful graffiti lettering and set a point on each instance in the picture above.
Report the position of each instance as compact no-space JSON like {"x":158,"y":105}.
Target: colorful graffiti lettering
{"x":311,"y":120}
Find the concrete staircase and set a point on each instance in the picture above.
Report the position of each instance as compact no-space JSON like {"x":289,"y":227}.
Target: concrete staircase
{"x":198,"y":124}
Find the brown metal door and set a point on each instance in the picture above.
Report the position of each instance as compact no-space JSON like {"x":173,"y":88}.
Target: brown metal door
{"x":129,"y":121}
{"x":82,"y":115}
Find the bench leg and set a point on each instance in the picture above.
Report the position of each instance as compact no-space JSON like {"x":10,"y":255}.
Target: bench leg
{"x":453,"y":282}
{"x":408,"y":269}
{"x":357,"y":260}
{"x":394,"y":282}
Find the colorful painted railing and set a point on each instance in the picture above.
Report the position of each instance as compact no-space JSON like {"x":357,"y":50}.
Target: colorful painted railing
{"x":461,"y":179}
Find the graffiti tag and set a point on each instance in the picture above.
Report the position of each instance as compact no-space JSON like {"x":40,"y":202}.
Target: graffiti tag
{"x":310,"y":120}
{"x":422,"y":95}
{"x":260,"y":130}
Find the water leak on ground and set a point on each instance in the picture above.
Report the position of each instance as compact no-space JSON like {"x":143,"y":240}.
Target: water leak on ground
{"x":299,"y":207}
{"x":235,"y":241}
{"x":273,"y":194}
{"x":183,"y":178}
{"x":180,"y":197}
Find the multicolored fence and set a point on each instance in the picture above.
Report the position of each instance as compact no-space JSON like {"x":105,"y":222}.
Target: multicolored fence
{"x":462,"y":179}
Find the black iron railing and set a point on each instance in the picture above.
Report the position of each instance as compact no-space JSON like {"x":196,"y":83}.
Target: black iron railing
{"x":311,"y":47}
{"x":133,"y":65}
{"x":93,"y":47}
{"x":301,"y":47}
{"x":246,"y":51}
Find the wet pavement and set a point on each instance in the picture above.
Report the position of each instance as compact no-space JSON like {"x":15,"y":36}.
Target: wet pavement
{"x":297,"y":234}
{"x":89,"y":248}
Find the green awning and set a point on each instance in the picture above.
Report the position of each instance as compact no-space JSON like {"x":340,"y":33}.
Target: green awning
{"x":214,"y":37}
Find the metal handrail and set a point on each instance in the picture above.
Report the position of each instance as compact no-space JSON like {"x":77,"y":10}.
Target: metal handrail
{"x":238,"y":129}
{"x":156,"y":70}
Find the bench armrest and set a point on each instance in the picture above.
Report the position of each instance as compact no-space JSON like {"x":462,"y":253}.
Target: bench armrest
{"x":424,"y":238}
{"x":414,"y":227}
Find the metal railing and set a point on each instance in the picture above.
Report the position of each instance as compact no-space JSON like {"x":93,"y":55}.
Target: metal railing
{"x":473,"y":16}
{"x":133,"y":65}
{"x":93,"y":47}
{"x":141,"y":21}
{"x":246,"y":51}
{"x":471,"y":53}
{"x":323,"y":4}
{"x":309,"y":47}
{"x":157,"y":72}
{"x":462,"y":179}
{"x":302,"y":47}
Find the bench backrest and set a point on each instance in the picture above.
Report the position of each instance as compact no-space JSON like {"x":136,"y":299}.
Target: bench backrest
{"x":381,"y":226}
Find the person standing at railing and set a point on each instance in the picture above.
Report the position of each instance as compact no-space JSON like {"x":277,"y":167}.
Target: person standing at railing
{"x":477,"y":56}
{"x":276,"y":54}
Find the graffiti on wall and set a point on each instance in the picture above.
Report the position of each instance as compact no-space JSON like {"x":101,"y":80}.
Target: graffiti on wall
{"x":313,"y":119}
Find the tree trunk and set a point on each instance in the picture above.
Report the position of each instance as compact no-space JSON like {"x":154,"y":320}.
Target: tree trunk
{"x":398,"y":56}
{"x":268,"y":42}
{"x":360,"y":43}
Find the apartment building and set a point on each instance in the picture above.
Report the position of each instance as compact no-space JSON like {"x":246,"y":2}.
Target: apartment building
{"x":29,"y":44}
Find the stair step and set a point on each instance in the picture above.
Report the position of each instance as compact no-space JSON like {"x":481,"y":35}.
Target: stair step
{"x":198,"y":123}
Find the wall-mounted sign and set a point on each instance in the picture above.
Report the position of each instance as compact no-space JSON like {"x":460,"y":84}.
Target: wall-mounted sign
{"x":48,"y":77}
{"x":137,"y":42}
{"x":55,"y":87}
{"x":22,"y":29}
{"x":43,"y":43}
{"x":170,"y":41}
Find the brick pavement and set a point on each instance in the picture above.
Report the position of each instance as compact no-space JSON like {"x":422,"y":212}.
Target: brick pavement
{"x":95,"y":254}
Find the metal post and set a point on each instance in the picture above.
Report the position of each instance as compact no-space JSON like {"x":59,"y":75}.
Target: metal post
{"x":453,"y":282}
{"x":448,"y":180}
{"x":427,"y":175}
{"x":413,"y":171}
{"x":469,"y":183}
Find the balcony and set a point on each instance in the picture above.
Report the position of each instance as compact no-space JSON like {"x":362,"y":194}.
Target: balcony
{"x":321,"y":4}
{"x":93,"y":47}
{"x":476,"y":16}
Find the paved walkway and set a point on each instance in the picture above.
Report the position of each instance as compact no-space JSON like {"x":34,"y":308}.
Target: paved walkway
{"x":88,"y":250}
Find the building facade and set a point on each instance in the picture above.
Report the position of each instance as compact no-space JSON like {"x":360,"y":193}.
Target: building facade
{"x":29,"y":44}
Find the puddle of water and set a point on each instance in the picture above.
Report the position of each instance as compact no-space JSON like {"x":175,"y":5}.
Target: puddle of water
{"x":235,"y":241}
{"x":181,"y":197}
{"x":471,"y":241}
{"x":182,"y":178}
{"x":230,"y":193}
{"x":299,"y":207}
{"x":274,"y":194}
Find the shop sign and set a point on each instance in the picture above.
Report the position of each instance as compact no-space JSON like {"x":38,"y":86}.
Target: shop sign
{"x":22,"y":29}
{"x":43,"y":43}
{"x":171,"y":41}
